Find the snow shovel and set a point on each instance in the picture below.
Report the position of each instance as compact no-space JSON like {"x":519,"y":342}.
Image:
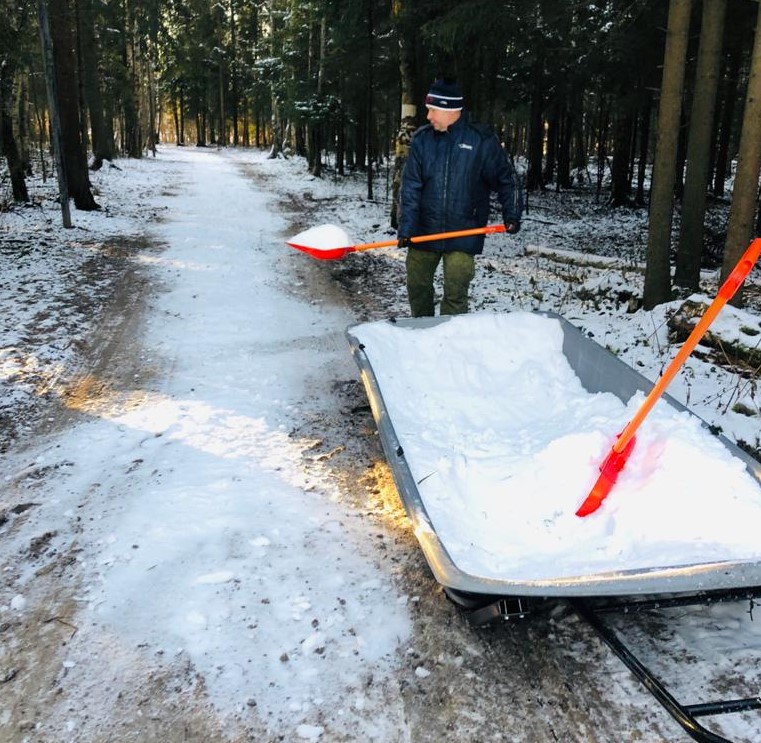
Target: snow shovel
{"x":622,"y":448}
{"x":328,"y":242}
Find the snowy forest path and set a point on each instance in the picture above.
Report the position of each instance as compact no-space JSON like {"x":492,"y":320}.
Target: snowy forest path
{"x":227,"y":559}
{"x":190,"y":544}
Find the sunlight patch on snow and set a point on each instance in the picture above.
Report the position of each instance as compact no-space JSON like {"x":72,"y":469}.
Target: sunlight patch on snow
{"x":165,"y":262}
{"x":211,"y":430}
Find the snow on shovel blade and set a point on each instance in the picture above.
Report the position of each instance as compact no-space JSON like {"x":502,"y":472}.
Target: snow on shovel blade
{"x":326,"y":242}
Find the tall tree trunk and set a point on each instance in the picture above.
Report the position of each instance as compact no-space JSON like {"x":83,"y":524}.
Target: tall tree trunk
{"x":181,"y":140}
{"x":46,"y":44}
{"x":133,"y":144}
{"x":729,"y":98}
{"x":745,"y":190}
{"x":690,"y":248}
{"x":202,"y":122}
{"x":657,"y":271}
{"x":578,"y":142}
{"x":152,"y":105}
{"x":534,"y":180}
{"x":405,"y":33}
{"x":370,"y":132}
{"x":235,"y":104}
{"x":620,"y":192}
{"x":341,"y":133}
{"x":23,"y":128}
{"x":101,"y":131}
{"x":74,"y":154}
{"x":277,"y":129}
{"x":176,"y":120}
{"x":603,"y":125}
{"x":276,"y":119}
{"x":564,"y":149}
{"x":316,"y":128}
{"x":8,"y":145}
{"x":222,"y":139}
{"x":551,"y":150}
{"x":644,"y":146}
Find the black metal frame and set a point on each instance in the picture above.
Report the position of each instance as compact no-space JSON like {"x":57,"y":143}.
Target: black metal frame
{"x":685,"y":714}
{"x":483,"y":610}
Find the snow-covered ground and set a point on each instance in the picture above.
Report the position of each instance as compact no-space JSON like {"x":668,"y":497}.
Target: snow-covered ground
{"x":172,"y":509}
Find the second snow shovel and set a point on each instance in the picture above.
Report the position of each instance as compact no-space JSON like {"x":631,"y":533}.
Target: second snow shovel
{"x":621,"y":449}
{"x":328,"y":242}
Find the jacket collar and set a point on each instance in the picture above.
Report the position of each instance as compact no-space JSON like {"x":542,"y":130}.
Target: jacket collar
{"x":459,"y":125}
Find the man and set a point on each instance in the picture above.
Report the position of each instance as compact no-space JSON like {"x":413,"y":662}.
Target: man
{"x":453,"y":167}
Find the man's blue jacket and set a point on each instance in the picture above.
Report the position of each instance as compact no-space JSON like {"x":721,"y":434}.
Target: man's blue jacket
{"x":447,"y":182}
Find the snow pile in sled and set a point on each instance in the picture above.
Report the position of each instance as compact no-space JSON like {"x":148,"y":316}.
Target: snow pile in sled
{"x":503,"y":442}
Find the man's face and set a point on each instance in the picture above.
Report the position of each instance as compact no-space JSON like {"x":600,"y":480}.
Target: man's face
{"x":441,"y":120}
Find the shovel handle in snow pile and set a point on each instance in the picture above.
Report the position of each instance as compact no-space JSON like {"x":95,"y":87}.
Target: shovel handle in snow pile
{"x":622,"y":448}
{"x":332,"y":253}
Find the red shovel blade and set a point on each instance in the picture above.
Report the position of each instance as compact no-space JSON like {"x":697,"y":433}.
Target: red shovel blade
{"x":323,"y":254}
{"x":326,"y":242}
{"x":609,"y":470}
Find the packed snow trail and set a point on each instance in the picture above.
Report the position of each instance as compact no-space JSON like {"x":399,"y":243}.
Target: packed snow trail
{"x":204,"y":538}
{"x":160,"y":557}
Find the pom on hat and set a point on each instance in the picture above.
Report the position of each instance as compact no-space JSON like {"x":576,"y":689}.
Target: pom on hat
{"x":444,"y":94}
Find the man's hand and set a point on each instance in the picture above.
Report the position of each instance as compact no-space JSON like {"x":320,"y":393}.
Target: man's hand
{"x":404,"y":242}
{"x":512,"y":227}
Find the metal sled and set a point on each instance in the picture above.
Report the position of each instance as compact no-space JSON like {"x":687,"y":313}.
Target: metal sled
{"x":599,"y":371}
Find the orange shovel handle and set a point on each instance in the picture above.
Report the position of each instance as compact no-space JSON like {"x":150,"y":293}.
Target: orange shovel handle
{"x":622,"y":447}
{"x":371,"y":246}
{"x":488,"y":230}
{"x":726,"y":292}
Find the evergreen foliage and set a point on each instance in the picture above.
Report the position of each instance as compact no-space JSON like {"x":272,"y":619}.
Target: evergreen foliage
{"x":571,"y":88}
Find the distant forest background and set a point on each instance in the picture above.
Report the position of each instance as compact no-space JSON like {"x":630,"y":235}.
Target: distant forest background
{"x":643,"y":102}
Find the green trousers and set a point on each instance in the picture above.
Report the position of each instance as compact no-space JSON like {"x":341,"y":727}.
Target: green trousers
{"x":459,"y":269}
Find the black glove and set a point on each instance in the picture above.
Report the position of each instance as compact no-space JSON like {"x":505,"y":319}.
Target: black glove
{"x":405,"y":242}
{"x":512,"y":226}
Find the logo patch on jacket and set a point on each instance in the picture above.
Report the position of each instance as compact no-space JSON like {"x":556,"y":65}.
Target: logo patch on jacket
{"x":464,"y":146}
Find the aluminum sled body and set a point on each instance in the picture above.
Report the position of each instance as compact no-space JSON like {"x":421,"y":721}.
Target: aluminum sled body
{"x":599,"y":372}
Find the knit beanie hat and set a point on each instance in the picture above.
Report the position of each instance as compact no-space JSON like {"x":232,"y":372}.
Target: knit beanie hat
{"x":444,"y":94}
